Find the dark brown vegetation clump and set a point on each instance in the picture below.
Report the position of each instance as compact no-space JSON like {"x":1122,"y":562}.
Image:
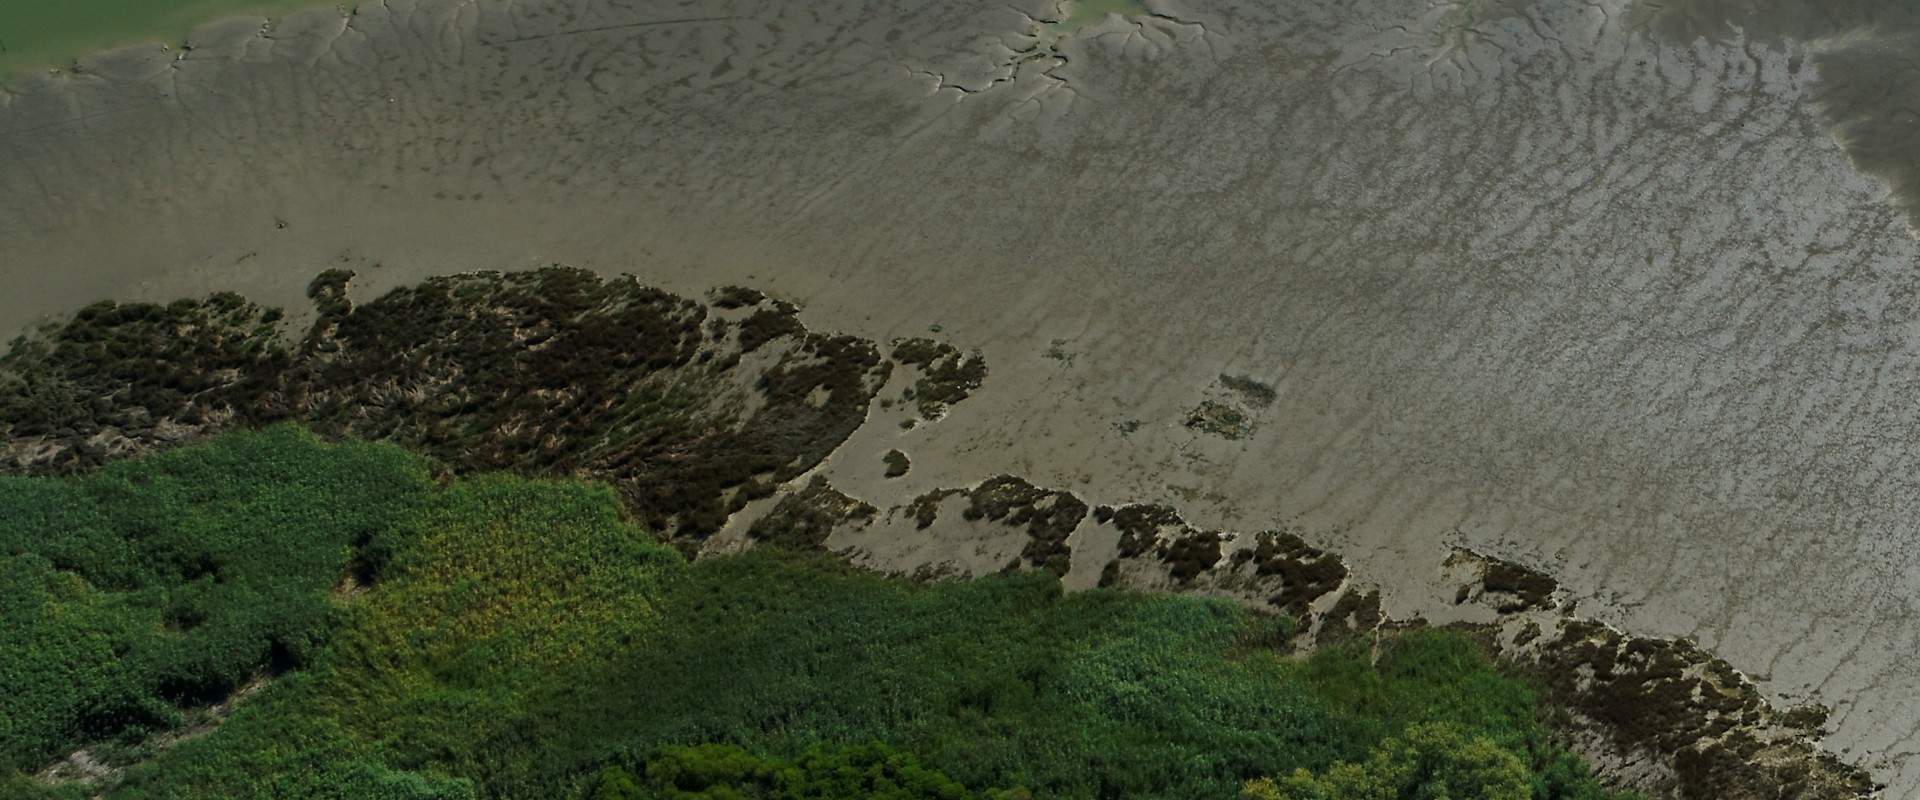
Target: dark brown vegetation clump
{"x":1160,"y":531}
{"x":1306,"y":573}
{"x":767,"y":324}
{"x":1192,"y":553}
{"x":553,"y":372}
{"x":731,"y":297}
{"x":1356,"y":613}
{"x":1671,"y":697}
{"x":121,"y":379}
{"x":1220,"y":419}
{"x":897,"y":463}
{"x":1050,"y":516}
{"x":803,"y":520}
{"x":1520,"y":589}
{"x":1139,"y":525}
{"x":947,"y":376}
{"x":1255,"y":393}
{"x":926,"y":508}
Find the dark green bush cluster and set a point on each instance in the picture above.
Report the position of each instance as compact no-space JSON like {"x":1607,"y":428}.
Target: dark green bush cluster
{"x":724,"y":772}
{"x":155,"y":586}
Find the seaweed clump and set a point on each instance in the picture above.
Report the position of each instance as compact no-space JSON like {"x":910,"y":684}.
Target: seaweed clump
{"x":1521,"y":589}
{"x":731,"y":297}
{"x":1144,"y":529}
{"x":1220,"y":419}
{"x":1139,"y":525}
{"x":1255,"y":393}
{"x":767,"y":324}
{"x":1049,"y":516}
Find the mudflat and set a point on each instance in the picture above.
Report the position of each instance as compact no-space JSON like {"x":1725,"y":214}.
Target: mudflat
{"x":1621,"y":293}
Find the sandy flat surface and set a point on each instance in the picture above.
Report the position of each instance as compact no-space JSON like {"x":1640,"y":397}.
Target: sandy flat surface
{"x":1549,"y":279}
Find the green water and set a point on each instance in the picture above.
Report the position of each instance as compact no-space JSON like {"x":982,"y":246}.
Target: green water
{"x":43,"y":34}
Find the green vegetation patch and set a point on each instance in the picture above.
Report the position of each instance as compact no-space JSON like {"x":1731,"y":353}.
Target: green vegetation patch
{"x":716,"y":771}
{"x":133,"y":595}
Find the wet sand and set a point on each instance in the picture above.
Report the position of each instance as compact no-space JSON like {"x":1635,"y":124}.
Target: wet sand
{"x":1617,"y":295}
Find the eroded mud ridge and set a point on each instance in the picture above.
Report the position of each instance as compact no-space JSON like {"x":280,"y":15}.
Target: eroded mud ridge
{"x":690,"y":409}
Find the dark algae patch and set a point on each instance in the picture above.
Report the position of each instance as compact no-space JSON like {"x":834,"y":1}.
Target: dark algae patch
{"x":1291,"y":573}
{"x":1254,"y":393}
{"x":1220,"y":419}
{"x":1306,"y":573}
{"x":925,"y":509}
{"x":122,"y":379}
{"x":1139,"y":526}
{"x":1672,"y":698}
{"x":1683,"y":722}
{"x":767,"y":324}
{"x":1520,"y":588}
{"x":1049,"y":516}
